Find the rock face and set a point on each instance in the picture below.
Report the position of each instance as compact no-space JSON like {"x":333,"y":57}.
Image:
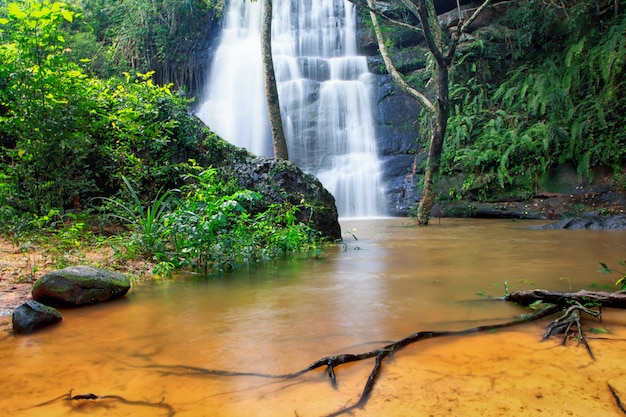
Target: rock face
{"x":398,"y":144}
{"x":79,"y":285}
{"x":32,"y":316}
{"x":280,"y":181}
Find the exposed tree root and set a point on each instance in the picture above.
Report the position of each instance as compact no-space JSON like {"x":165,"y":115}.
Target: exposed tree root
{"x":618,"y":401}
{"x":571,"y":316}
{"x":570,"y":303}
{"x":333,"y":362}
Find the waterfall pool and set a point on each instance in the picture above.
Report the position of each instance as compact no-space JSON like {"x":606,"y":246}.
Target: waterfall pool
{"x":392,"y":280}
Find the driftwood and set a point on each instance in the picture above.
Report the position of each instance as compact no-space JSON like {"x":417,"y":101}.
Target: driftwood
{"x":573,"y":303}
{"x":603,"y":299}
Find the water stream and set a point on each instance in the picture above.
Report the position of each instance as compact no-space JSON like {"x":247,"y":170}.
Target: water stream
{"x":394,"y":280}
{"x":324,"y":88}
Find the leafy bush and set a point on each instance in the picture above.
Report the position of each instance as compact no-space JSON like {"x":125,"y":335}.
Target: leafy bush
{"x":68,"y":139}
{"x":213,"y":227}
{"x":66,"y":136}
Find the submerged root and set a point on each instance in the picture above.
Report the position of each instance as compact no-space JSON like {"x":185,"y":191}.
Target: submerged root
{"x":115,"y":398}
{"x":332,"y":363}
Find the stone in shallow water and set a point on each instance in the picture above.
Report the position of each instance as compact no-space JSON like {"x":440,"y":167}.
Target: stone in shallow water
{"x":79,"y":285}
{"x":32,"y":316}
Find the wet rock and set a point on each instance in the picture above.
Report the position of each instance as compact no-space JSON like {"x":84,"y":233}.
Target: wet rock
{"x":397,"y":132}
{"x":79,"y":285}
{"x":32,"y":316}
{"x":588,"y":221}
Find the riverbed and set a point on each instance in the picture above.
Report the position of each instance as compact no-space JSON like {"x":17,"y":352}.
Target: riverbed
{"x":148,"y":354}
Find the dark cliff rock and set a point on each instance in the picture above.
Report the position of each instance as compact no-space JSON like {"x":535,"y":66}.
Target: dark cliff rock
{"x":600,"y":210}
{"x":397,"y":130}
{"x":281,"y":181}
{"x":278,"y":181}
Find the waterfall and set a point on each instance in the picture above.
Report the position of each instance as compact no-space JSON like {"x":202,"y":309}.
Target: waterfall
{"x":324,"y":88}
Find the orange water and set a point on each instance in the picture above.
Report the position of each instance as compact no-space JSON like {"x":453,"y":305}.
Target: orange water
{"x":392,"y":281}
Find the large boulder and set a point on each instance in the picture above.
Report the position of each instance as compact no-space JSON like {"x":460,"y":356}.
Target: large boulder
{"x":278,"y":181}
{"x":79,"y":285}
{"x":32,"y":316}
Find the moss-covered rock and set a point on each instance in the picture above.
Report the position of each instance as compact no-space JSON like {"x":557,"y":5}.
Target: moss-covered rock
{"x":79,"y":285}
{"x":32,"y":316}
{"x":280,"y":182}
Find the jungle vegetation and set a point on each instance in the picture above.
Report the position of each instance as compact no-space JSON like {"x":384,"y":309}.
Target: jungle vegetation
{"x":541,"y":86}
{"x":79,"y":149}
{"x":94,"y":99}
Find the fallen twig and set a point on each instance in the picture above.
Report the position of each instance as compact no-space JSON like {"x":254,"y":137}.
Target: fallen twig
{"x":93,"y":397}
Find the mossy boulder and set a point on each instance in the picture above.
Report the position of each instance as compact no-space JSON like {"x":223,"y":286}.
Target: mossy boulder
{"x":78,"y":286}
{"x":279,"y":182}
{"x":32,"y":316}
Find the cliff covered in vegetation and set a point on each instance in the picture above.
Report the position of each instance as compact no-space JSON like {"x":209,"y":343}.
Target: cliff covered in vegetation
{"x":537,"y":101}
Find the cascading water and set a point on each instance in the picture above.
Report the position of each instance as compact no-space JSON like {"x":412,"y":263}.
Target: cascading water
{"x":324,"y":88}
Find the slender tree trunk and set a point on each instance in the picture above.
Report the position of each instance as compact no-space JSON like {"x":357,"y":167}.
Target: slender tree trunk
{"x":442,"y":49}
{"x":433,"y":161}
{"x":271,"y":90}
{"x":439,"y":119}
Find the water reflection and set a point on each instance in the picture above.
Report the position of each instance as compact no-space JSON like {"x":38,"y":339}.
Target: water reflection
{"x":392,"y":281}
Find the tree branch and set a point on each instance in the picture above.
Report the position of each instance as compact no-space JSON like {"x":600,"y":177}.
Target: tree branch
{"x":381,"y":14}
{"x":464,"y":28}
{"x":391,"y":69}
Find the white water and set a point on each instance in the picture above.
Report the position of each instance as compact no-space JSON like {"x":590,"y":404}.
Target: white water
{"x":324,"y":88}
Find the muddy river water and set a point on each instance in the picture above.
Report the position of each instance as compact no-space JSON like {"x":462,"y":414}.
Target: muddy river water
{"x":141,"y":353}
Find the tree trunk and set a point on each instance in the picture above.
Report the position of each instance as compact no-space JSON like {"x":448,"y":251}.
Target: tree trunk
{"x":443,"y":49}
{"x":271,"y":90}
{"x":439,"y":119}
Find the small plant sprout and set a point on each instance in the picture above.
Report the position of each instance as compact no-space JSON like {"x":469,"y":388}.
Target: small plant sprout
{"x":569,"y":282}
{"x":621,"y":281}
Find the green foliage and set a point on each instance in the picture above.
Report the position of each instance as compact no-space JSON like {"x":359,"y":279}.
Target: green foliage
{"x":208,"y":226}
{"x":138,"y":35}
{"x":69,"y":140}
{"x":66,"y":136}
{"x":566,"y":107}
{"x":146,"y":221}
{"x":44,"y":102}
{"x":621,"y":281}
{"x":213,"y":229}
